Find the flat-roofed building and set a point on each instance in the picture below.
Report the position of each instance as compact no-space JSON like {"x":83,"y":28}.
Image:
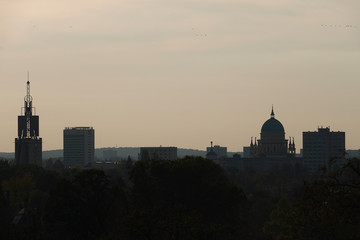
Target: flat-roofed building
{"x":322,"y":147}
{"x":79,"y":146}
{"x":159,"y":153}
{"x":221,"y":152}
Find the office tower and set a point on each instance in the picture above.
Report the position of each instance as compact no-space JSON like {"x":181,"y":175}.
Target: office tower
{"x":321,"y":147}
{"x":28,"y":145}
{"x":158,"y":153}
{"x":79,"y":146}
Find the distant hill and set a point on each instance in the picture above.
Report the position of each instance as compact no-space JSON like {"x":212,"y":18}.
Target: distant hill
{"x":353,"y":153}
{"x":122,"y":152}
{"x":133,"y":152}
{"x":46,"y":154}
{"x":7,"y":155}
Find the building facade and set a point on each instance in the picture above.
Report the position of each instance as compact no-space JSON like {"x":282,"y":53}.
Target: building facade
{"x":272,"y":142}
{"x":28,"y":144}
{"x":272,"y":151}
{"x":158,"y":153}
{"x":79,"y":146}
{"x":323,"y":150}
{"x":221,"y":152}
{"x":246,"y":152}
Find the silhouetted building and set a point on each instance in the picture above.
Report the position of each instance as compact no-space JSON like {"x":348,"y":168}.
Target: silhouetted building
{"x":211,"y":154}
{"x":271,"y":151}
{"x":105,"y":165}
{"x":28,"y":145}
{"x":322,"y":146}
{"x":79,"y":146}
{"x":158,"y":153}
{"x":221,"y":152}
{"x":272,"y":142}
{"x":246,"y":152}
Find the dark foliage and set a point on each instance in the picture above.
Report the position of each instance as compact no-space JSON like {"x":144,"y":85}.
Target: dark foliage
{"x":192,"y":198}
{"x":193,"y":194}
{"x":84,"y":207}
{"x":328,"y":208}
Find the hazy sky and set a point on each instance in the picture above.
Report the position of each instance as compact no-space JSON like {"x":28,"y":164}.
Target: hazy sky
{"x":180,"y":72}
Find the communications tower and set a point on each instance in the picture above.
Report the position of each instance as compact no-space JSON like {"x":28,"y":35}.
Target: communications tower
{"x":28,"y":145}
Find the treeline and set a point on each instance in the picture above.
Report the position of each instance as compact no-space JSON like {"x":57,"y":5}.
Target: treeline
{"x":192,"y":198}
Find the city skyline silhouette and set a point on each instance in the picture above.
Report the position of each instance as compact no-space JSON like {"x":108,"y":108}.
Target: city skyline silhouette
{"x":151,"y":73}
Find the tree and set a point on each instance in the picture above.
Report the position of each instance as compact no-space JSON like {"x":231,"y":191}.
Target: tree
{"x":5,"y":217}
{"x":193,"y":194}
{"x":328,"y":208}
{"x":19,"y":191}
{"x":84,"y":207}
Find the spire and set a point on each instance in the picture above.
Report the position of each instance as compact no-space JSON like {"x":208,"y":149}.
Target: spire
{"x":272,"y":112}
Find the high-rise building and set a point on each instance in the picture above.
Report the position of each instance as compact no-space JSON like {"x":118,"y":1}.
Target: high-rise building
{"x":158,"y":153}
{"x":28,"y":145}
{"x":322,"y":147}
{"x":79,"y":146}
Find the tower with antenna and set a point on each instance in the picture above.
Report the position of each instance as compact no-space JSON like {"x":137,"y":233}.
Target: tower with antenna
{"x":28,"y":145}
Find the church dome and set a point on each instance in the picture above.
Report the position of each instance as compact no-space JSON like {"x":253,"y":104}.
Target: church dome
{"x":272,"y":125}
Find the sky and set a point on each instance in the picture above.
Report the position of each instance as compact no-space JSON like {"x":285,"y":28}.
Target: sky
{"x":180,"y":72}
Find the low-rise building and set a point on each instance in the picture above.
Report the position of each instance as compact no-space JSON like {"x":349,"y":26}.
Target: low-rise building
{"x":159,"y":153}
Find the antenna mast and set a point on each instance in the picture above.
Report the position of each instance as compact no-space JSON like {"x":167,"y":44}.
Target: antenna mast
{"x":28,"y":109}
{"x":28,"y":145}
